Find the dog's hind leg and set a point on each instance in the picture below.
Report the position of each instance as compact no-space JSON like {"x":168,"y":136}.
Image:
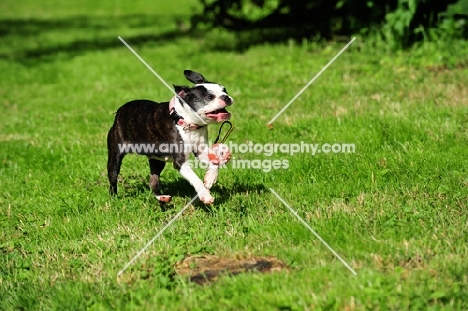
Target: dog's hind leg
{"x":156,"y":167}
{"x":114,"y":161}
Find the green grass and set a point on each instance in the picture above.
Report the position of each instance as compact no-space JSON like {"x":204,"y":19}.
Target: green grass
{"x":396,"y":209}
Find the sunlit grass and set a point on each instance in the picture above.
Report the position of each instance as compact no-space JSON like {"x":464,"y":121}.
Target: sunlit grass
{"x":395,"y":210}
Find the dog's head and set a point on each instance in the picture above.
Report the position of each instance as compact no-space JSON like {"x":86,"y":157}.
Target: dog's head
{"x":207,"y":99}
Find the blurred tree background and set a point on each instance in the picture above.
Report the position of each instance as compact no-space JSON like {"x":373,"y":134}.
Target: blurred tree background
{"x":400,"y":23}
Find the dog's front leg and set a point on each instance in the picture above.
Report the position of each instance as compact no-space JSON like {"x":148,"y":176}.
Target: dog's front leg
{"x":211,"y":174}
{"x":187,"y":172}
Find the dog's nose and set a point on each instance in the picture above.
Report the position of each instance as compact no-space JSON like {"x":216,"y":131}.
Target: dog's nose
{"x":226,"y":99}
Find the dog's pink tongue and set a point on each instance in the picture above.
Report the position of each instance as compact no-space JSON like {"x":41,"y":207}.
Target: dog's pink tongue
{"x":219,"y":116}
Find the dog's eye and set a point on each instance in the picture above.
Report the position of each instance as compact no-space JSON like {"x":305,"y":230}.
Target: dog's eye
{"x":209,"y":97}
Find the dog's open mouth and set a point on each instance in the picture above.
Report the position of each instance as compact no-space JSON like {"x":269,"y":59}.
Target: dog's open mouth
{"x":220,"y":114}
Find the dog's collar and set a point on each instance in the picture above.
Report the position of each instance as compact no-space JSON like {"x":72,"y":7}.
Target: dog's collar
{"x":180,"y":120}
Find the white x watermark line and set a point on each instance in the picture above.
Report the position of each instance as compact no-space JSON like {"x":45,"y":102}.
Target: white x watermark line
{"x":156,"y":236}
{"x":311,"y":81}
{"x":312,"y":230}
{"x":158,"y":76}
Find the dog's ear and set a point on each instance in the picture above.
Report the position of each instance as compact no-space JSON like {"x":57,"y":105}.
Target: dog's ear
{"x":195,"y":77}
{"x":182,"y":91}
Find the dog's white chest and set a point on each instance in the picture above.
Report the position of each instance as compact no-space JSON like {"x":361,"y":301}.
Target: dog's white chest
{"x":194,"y":140}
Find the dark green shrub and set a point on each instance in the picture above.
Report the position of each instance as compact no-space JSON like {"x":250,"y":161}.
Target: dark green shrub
{"x":400,"y":22}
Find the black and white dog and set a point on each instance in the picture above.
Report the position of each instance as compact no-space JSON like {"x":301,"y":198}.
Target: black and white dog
{"x":169,"y":132}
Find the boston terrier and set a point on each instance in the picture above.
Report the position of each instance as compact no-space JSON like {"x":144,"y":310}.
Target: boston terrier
{"x":169,"y":132}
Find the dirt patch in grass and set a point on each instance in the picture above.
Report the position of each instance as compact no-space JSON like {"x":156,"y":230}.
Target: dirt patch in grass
{"x":207,"y":268}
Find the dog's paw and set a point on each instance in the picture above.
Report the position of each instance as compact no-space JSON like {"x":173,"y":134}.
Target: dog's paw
{"x":207,"y":198}
{"x":164,"y":198}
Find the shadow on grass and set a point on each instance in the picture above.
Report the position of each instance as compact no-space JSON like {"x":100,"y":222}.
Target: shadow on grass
{"x":37,"y":26}
{"x":18,"y":34}
{"x":181,"y":188}
{"x":33,"y":41}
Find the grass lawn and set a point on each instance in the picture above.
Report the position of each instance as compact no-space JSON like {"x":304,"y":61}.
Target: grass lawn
{"x":395,"y":209}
